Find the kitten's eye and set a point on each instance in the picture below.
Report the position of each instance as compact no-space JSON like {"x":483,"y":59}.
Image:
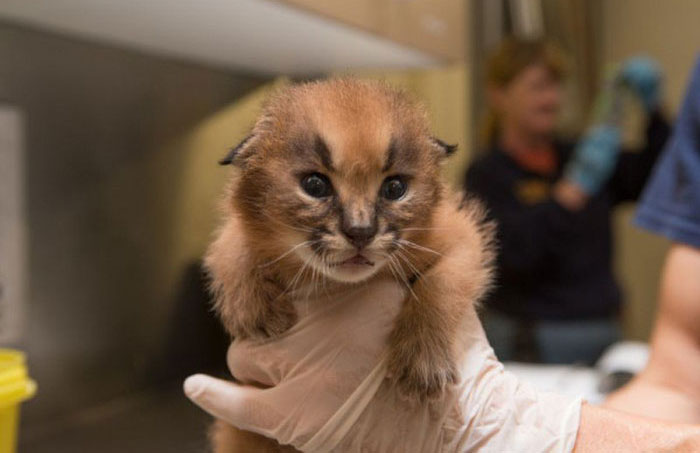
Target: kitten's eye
{"x":393,"y":188}
{"x":316,"y":185}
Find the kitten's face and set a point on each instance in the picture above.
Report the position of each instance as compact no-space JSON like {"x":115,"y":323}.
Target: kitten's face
{"x":339,"y":175}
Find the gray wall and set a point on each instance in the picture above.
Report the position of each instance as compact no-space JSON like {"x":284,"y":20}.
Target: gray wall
{"x":102,"y":127}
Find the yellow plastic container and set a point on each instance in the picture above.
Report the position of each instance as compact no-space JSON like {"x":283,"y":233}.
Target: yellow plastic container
{"x":15,"y":387}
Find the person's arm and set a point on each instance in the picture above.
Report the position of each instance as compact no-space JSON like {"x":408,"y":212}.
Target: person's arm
{"x":669,"y":387}
{"x":606,"y":430}
{"x":597,"y":161}
{"x":634,"y":167}
{"x":644,"y":77}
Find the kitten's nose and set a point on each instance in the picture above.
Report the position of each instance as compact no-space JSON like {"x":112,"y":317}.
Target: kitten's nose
{"x":360,"y":236}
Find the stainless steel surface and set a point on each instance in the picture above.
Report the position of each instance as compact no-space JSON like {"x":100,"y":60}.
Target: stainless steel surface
{"x":13,"y":225}
{"x":115,"y":306}
{"x":157,"y":422}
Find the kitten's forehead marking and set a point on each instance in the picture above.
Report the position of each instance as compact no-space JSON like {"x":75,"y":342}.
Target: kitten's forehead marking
{"x":324,"y":155}
{"x":357,"y":134}
{"x":390,"y":156}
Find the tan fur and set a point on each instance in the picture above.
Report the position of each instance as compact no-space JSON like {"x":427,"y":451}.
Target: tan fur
{"x":226,"y":439}
{"x":440,"y":250}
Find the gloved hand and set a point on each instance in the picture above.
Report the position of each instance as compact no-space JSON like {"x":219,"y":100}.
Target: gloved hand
{"x":594,"y":158}
{"x":643,"y":76}
{"x":326,"y":388}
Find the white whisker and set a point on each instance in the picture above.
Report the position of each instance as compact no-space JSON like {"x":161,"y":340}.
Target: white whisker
{"x":391,"y":268}
{"x":406,"y":251}
{"x":301,"y":244}
{"x":418,"y":247}
{"x":293,"y":227}
{"x":426,"y":229}
{"x":405,"y":259}
{"x":293,"y":282}
{"x":403,"y":276}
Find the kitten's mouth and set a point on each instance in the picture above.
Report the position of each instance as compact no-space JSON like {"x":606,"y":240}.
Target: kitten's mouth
{"x":357,"y":260}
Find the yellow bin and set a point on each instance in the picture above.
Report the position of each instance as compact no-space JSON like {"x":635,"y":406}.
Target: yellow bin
{"x":15,"y":387}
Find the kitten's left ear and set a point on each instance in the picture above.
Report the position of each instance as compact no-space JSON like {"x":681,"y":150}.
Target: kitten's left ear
{"x":443,"y":147}
{"x":238,"y":153}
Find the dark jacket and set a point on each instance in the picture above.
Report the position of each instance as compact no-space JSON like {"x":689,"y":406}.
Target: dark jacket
{"x":555,"y":264}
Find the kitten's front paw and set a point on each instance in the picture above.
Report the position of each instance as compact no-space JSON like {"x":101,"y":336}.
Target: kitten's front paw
{"x":422,"y":373}
{"x":266,"y":324}
{"x":279,"y":320}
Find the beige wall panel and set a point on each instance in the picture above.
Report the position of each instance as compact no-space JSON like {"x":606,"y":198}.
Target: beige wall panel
{"x":438,"y":26}
{"x":434,"y":26}
{"x":358,"y":13}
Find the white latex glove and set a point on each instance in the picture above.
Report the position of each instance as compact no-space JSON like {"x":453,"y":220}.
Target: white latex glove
{"x":322,"y":387}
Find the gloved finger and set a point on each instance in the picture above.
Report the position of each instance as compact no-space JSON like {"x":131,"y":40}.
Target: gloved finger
{"x":643,"y":75}
{"x":242,"y":406}
{"x":641,"y":69}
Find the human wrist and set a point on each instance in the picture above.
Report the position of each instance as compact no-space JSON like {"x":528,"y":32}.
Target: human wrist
{"x":497,"y":412}
{"x":569,"y":195}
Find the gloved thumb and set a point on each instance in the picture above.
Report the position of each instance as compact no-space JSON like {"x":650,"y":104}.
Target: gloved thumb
{"x":238,"y":405}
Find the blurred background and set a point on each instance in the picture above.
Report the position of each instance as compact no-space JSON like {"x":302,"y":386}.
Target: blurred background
{"x":114,"y":113}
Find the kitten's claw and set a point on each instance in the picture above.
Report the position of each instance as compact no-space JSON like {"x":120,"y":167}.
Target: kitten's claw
{"x":423,"y":376}
{"x":278,"y":321}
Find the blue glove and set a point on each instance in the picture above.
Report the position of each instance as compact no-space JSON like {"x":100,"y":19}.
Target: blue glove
{"x":595,"y":158}
{"x":643,"y":76}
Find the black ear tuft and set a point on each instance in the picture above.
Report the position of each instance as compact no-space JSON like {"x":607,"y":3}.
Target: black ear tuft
{"x":447,"y":149}
{"x":235,"y":151}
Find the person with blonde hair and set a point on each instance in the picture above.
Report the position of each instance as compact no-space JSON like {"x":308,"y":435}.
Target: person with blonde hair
{"x":556,"y":299}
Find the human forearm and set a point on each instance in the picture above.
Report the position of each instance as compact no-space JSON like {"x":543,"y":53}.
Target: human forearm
{"x":635,"y":166}
{"x":609,"y":430}
{"x":669,"y":387}
{"x":645,"y":396}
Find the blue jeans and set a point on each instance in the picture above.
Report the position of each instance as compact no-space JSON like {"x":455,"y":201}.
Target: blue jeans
{"x":553,"y":342}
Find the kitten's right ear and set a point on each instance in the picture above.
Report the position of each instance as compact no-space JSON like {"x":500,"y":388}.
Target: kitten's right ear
{"x":445,"y":148}
{"x":237,"y":154}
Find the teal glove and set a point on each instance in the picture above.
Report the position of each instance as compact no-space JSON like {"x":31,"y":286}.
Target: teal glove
{"x":595,"y":158}
{"x":643,"y":76}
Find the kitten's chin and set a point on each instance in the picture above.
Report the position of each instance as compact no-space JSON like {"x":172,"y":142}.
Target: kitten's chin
{"x":351,"y":273}
{"x":353,"y":270}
